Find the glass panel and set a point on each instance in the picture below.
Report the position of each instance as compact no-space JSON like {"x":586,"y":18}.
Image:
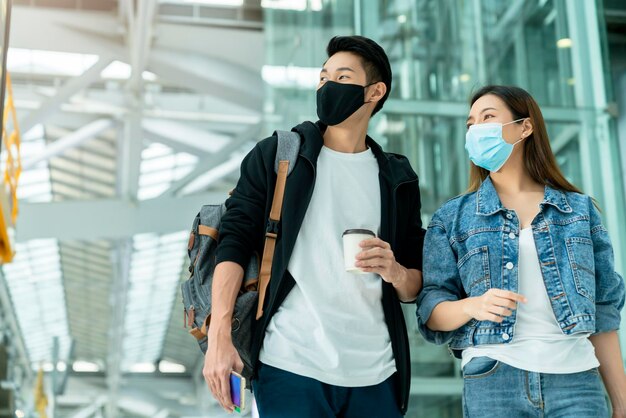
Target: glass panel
{"x":296,"y":43}
{"x":154,"y":275}
{"x":35,"y":284}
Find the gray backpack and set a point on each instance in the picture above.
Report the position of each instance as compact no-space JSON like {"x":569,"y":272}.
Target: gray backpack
{"x":202,"y":246}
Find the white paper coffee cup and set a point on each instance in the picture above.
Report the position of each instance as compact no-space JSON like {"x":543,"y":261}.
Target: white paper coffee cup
{"x":351,"y":240}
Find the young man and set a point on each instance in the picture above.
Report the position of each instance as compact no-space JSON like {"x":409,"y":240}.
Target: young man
{"x":330,"y":343}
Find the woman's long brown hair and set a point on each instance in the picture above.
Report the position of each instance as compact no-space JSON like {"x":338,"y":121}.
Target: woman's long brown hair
{"x":539,"y":159}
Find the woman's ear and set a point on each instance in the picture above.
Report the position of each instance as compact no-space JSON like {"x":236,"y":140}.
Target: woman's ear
{"x":527,"y":128}
{"x":377,"y":92}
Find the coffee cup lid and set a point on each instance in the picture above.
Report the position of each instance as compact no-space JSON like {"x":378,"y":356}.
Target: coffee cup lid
{"x":358,"y":231}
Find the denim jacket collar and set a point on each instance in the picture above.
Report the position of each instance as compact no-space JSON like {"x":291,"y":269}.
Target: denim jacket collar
{"x":488,"y":202}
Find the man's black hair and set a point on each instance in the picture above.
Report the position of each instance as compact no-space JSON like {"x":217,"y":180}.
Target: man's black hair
{"x":373,"y":57}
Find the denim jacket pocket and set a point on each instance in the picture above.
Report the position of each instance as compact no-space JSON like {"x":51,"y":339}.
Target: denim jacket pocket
{"x":474,"y":270}
{"x":581,"y":259}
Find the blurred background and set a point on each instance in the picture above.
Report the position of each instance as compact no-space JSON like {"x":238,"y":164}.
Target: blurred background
{"x":125,"y":116}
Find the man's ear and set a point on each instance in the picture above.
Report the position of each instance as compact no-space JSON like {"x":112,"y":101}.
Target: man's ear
{"x":376,"y":92}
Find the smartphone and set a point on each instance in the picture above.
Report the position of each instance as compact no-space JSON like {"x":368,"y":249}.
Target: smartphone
{"x":237,"y":391}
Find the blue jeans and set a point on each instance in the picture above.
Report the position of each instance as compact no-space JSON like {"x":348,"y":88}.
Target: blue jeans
{"x":281,"y":394}
{"x":494,"y":389}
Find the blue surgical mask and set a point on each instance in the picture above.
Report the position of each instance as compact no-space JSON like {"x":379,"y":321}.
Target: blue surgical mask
{"x":486,"y":146}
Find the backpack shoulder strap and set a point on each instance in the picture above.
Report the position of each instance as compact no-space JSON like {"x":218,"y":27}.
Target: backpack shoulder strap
{"x":288,"y":148}
{"x":286,"y":155}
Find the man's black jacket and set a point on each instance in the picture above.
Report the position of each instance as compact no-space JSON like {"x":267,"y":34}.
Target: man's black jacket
{"x":243,"y":226}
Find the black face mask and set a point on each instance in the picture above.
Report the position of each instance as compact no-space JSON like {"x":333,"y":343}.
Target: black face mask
{"x":336,"y":102}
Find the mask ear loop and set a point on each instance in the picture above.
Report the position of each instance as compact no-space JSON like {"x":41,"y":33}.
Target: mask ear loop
{"x":513,"y":121}
{"x":522,"y":138}
{"x":366,"y":86}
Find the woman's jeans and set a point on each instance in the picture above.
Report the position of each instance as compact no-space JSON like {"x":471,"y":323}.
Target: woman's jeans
{"x":494,"y":389}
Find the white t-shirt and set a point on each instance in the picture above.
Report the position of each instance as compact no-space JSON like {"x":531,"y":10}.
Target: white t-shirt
{"x":538,"y":344}
{"x":331,"y":326}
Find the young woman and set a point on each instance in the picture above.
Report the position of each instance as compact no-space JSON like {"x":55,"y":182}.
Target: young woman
{"x":519,"y":276}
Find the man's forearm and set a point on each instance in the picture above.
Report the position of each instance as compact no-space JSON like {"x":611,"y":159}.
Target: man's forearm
{"x":227,"y":279}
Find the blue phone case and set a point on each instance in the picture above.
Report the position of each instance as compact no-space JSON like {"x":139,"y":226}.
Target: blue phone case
{"x":237,"y":386}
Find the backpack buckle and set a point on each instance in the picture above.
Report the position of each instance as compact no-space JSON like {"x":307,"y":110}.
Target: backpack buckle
{"x":272,"y":227}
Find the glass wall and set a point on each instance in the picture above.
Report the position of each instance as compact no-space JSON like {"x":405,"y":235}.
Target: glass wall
{"x":441,"y":51}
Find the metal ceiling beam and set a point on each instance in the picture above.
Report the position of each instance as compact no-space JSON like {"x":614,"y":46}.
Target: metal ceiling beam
{"x":130,"y":146}
{"x":228,"y":82}
{"x":104,"y":147}
{"x":203,"y":165}
{"x":203,"y":116}
{"x":65,"y":30}
{"x":224,"y":170}
{"x":176,"y":146}
{"x":75,"y":109}
{"x":140,"y":38}
{"x":110,"y":219}
{"x":183,"y":137}
{"x":506,"y":33}
{"x":73,"y":86}
{"x":121,"y":12}
{"x":119,"y":294}
{"x":73,"y":140}
{"x":207,"y":163}
{"x":98,"y":33}
{"x":90,"y":410}
{"x":98,"y":99}
{"x":460,"y":110}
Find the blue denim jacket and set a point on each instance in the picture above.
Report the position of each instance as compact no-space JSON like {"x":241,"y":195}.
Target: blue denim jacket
{"x":472,"y":245}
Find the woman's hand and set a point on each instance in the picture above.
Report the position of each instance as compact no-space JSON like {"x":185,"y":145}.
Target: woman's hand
{"x":494,"y":305}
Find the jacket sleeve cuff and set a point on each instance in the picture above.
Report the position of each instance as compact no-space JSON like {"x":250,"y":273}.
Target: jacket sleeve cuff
{"x":233,"y":254}
{"x":608,"y":318}
{"x":425,"y":309}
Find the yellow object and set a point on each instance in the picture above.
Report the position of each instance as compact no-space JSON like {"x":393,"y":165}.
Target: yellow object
{"x":12,"y":172}
{"x":41,"y":400}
